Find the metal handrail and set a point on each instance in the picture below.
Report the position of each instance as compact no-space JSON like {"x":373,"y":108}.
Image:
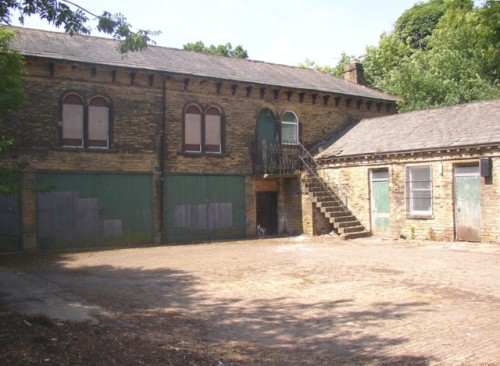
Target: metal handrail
{"x":312,"y":166}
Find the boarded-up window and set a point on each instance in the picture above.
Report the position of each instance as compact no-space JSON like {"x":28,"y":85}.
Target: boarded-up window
{"x":289,"y":128}
{"x":72,"y":121}
{"x":98,"y":123}
{"x":213,"y":130}
{"x":192,"y":129}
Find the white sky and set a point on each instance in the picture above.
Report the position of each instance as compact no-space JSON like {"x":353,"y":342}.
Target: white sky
{"x":279,"y":31}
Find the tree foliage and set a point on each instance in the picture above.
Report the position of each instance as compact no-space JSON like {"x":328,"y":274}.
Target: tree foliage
{"x":452,"y":58}
{"x":11,"y":70}
{"x":75,"y":19}
{"x":336,"y":70}
{"x":11,"y":98}
{"x":440,"y":52}
{"x":221,"y":50}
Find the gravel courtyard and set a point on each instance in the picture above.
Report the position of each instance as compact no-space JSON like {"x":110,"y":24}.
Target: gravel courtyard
{"x":296,"y":301}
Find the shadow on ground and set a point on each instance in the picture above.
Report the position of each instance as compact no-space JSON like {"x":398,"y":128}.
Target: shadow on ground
{"x":167,"y":307}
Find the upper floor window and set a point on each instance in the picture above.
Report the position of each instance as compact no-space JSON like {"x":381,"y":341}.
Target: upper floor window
{"x":202,"y":131}
{"x":213,"y":129}
{"x":289,"y":128}
{"x":419,"y":190}
{"x":192,"y":129}
{"x":72,"y":121}
{"x":98,"y":123}
{"x":85,"y":126}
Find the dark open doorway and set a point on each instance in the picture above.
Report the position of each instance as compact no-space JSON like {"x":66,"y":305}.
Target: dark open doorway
{"x":267,"y":212}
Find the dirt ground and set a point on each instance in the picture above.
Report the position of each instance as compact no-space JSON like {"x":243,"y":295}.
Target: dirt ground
{"x":280,"y":301}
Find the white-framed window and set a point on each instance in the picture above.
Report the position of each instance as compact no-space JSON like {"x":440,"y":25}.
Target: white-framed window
{"x":289,"y":128}
{"x":418,"y":189}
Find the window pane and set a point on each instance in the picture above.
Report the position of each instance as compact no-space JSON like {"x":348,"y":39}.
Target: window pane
{"x":380,"y":174}
{"x":467,"y":170}
{"x":288,"y":133}
{"x":419,"y":189}
{"x":422,"y":201}
{"x":193,"y":132}
{"x":289,"y":128}
{"x":98,"y":123}
{"x":213,"y":133}
{"x":289,"y":117}
{"x":72,"y":131}
{"x":420,"y":173}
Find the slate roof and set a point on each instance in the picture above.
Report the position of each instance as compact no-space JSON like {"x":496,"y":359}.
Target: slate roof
{"x":102,"y":51}
{"x":474,"y":124}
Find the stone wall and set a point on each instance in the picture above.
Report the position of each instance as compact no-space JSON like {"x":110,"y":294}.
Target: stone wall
{"x":354,"y":179}
{"x":142,"y":105}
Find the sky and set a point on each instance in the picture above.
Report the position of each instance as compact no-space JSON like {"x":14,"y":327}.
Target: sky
{"x":278,"y":31}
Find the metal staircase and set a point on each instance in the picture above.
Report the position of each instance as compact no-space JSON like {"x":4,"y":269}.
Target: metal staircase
{"x":326,"y":196}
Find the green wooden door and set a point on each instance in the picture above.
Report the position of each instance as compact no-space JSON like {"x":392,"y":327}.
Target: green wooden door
{"x":266,"y":140}
{"x":204,"y":207}
{"x":380,"y":201}
{"x":467,"y":203}
{"x":79,"y":210}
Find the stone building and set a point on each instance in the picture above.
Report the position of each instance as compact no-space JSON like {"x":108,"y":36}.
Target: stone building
{"x":430,"y":174}
{"x":167,"y":145}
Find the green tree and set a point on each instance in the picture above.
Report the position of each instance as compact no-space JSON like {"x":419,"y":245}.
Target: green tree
{"x":11,"y":98}
{"x":221,"y":50}
{"x":75,"y":19}
{"x":336,"y":70}
{"x":451,"y":59}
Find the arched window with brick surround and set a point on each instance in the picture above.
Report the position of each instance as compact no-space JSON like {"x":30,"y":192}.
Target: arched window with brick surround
{"x":192,"y":129}
{"x":72,"y":121}
{"x":98,"y":124}
{"x":289,"y":128}
{"x":213,"y":130}
{"x":203,"y":130}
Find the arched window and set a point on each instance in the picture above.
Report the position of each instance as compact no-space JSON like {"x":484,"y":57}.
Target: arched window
{"x":213,"y":129}
{"x":289,"y":128}
{"x":203,"y":131}
{"x":98,"y":124}
{"x":72,"y":121}
{"x":192,"y":129}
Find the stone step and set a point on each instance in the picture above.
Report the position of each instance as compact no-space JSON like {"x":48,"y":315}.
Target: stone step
{"x":362,"y":234}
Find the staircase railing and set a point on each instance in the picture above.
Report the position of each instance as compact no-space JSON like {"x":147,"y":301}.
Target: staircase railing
{"x":313,"y":168}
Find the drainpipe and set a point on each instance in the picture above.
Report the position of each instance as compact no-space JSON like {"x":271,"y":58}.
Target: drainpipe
{"x":161,"y":159}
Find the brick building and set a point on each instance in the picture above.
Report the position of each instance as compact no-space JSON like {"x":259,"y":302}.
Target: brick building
{"x":167,"y":145}
{"x":430,"y":174}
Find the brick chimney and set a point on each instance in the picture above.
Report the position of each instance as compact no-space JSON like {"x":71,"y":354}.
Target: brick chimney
{"x":354,"y":73}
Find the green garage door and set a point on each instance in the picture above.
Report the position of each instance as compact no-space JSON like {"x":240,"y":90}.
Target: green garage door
{"x":88,"y":210}
{"x":204,"y":207}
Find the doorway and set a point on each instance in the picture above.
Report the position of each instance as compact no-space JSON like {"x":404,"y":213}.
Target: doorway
{"x":266,"y":140}
{"x":267,"y":212}
{"x":379,"y":180}
{"x":467,"y":203}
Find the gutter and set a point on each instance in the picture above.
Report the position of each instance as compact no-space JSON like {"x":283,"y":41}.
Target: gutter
{"x":161,"y":159}
{"x":382,"y":155}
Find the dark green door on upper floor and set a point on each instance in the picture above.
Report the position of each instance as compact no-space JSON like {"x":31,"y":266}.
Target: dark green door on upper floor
{"x":266,"y":140}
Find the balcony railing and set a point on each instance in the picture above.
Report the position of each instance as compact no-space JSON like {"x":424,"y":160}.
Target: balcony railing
{"x":276,"y":159}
